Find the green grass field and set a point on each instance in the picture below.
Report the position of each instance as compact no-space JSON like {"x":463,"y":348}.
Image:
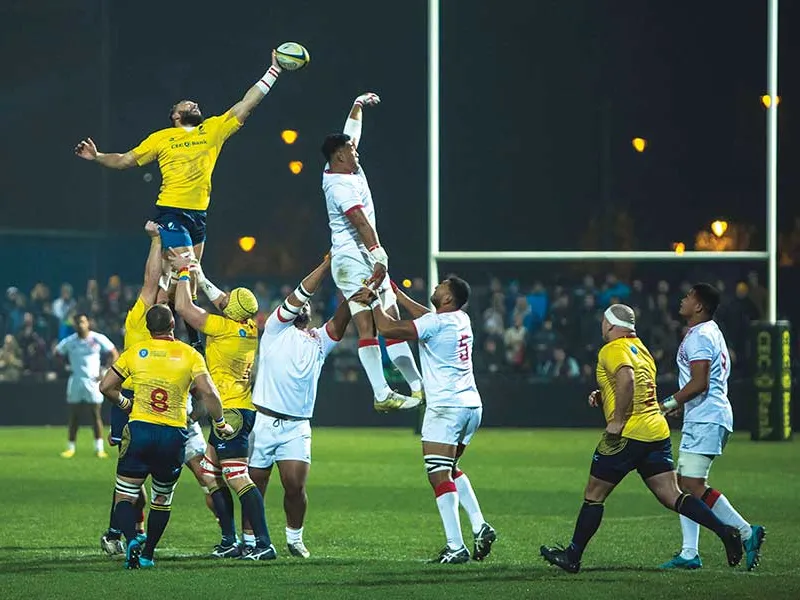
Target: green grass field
{"x":372,"y":523}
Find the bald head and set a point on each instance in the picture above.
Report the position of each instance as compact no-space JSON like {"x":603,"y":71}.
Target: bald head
{"x":619,"y":320}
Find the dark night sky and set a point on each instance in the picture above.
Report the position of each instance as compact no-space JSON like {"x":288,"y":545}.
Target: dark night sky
{"x":540,"y":101}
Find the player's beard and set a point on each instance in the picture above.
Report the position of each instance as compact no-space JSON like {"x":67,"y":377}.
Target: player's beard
{"x":435,"y":301}
{"x":191,"y":119}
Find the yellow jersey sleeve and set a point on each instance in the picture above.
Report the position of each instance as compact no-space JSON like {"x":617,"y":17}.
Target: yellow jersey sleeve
{"x":613,"y":357}
{"x":216,"y":326}
{"x":147,"y":150}
{"x":198,"y":365}
{"x":122,"y":366}
{"x":222,"y":126}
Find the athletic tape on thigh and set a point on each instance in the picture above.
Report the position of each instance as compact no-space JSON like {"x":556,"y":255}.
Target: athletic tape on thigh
{"x":159,"y":488}
{"x":125,"y":488}
{"x":436,"y":462}
{"x":388,"y":297}
{"x":356,"y":308}
{"x":694,"y":465}
{"x":209,"y":468}
{"x":232,"y":469}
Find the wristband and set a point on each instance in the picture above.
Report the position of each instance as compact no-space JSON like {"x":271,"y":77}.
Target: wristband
{"x":183,"y":274}
{"x":268,"y":80}
{"x":375,"y":304}
{"x":379,"y":255}
{"x":211,"y":291}
{"x":302,"y":293}
{"x":670,"y":404}
{"x":220,"y":423}
{"x":124,"y":403}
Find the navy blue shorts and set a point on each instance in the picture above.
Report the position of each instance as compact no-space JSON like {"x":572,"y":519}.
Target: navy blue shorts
{"x":617,"y":456}
{"x":150,"y":449}
{"x":119,"y":418}
{"x":181,"y":227}
{"x":237,"y":445}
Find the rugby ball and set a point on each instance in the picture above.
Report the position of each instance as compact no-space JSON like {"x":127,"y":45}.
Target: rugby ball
{"x":292,"y":56}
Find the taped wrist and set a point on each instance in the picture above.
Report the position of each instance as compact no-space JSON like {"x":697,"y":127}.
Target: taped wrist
{"x":211,"y":291}
{"x":379,"y":255}
{"x":268,"y":80}
{"x":670,"y":404}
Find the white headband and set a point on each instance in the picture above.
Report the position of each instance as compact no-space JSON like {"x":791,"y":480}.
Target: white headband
{"x":615,"y":320}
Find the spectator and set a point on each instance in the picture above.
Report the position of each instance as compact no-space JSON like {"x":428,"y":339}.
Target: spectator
{"x":543,"y":341}
{"x":613,"y":290}
{"x":758,"y":294}
{"x":588,"y":288}
{"x":560,"y":366}
{"x":538,"y":303}
{"x":515,"y":338}
{"x":46,"y":324}
{"x":65,"y":303}
{"x":34,"y":349}
{"x":491,"y":359}
{"x":521,"y":309}
{"x":494,"y":316}
{"x":10,"y":359}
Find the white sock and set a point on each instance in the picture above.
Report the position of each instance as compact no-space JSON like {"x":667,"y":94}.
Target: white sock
{"x":249,"y":539}
{"x":369,"y":353}
{"x":403,"y":359}
{"x":447,"y":502}
{"x":467,"y":498}
{"x":294,"y":535}
{"x":725,"y":512}
{"x":71,"y":446}
{"x":98,"y":445}
{"x":691,"y":537}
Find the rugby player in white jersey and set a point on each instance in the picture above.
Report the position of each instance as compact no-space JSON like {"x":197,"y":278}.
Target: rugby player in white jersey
{"x":704,"y":367}
{"x":290,"y":359}
{"x":358,"y":259}
{"x":453,"y":405}
{"x":83,"y":351}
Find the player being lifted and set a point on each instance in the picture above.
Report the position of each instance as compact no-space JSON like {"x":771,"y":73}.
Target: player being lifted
{"x":290,"y":360}
{"x":231,"y":344}
{"x":636,"y":437}
{"x":704,"y":367}
{"x":358,"y":258}
{"x":186,"y":151}
{"x":453,"y":410}
{"x":153,"y":443}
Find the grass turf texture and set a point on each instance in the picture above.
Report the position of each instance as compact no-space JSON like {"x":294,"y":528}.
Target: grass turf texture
{"x":372,"y":522}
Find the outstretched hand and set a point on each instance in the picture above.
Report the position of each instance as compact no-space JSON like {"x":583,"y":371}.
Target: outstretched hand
{"x":364,"y":296}
{"x":368,"y":99}
{"x":181,"y":261}
{"x":86,"y":149}
{"x":152,"y":229}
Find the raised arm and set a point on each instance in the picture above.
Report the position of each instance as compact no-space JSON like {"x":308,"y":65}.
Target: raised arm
{"x":386,"y":325}
{"x":152,"y":268}
{"x":414,"y":308}
{"x":352,"y":126}
{"x":87,"y":150}
{"x":339,"y":322}
{"x":188,"y":310}
{"x":253,"y":97}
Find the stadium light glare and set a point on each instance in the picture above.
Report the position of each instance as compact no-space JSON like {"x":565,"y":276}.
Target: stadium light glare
{"x":295,"y":167}
{"x":247,"y":243}
{"x":679,"y":247}
{"x":718,"y":228}
{"x":289,"y":136}
{"x":406,"y":283}
{"x":639,"y":144}
{"x":766,"y":100}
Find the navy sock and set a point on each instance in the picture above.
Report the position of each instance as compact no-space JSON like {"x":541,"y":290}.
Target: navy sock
{"x":697,"y":511}
{"x":156,"y":524}
{"x":125,"y":518}
{"x":223,"y":506}
{"x":585,"y":527}
{"x":253,"y":506}
{"x":112,"y":525}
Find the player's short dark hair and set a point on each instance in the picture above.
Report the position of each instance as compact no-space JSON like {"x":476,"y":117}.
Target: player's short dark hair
{"x":158,"y":318}
{"x":332,"y":143}
{"x":459,"y":289}
{"x":708,"y":296}
{"x":77,"y":316}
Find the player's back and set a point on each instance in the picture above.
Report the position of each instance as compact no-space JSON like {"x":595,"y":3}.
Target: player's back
{"x":705,"y":342}
{"x":230,"y":352}
{"x":186,"y":157}
{"x":161,"y":371}
{"x":645,"y":422}
{"x":345,"y":192}
{"x":446,"y":355}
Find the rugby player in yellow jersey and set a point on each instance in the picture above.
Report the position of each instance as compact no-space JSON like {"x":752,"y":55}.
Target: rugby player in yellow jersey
{"x":231,"y":345}
{"x":636,"y":437}
{"x":162,"y":370}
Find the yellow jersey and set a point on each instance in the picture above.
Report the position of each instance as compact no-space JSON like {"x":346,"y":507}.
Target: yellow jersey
{"x":135,"y":330}
{"x":162,"y":371}
{"x":230,"y":352}
{"x":186,"y":158}
{"x":645,"y":422}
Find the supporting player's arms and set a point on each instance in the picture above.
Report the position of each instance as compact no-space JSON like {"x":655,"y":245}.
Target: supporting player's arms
{"x":206,"y":391}
{"x":191,"y":313}
{"x":414,"y":308}
{"x":253,"y":97}
{"x":699,"y":376}
{"x":369,"y":237}
{"x":352,"y":126}
{"x":623,"y":399}
{"x":310,"y":283}
{"x":87,"y":150}
{"x":111,"y":386}
{"x":152,"y":268}
{"x":386,"y":325}
{"x":337,"y":325}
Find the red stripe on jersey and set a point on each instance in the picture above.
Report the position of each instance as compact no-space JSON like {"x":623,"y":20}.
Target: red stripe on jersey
{"x":370,"y":342}
{"x":281,"y":319}
{"x":444,"y":488}
{"x":330,"y":333}
{"x":356,"y":207}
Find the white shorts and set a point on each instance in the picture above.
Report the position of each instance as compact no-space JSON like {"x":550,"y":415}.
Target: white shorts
{"x":703,"y":438}
{"x":83,"y":390}
{"x":450,"y":425}
{"x":195,"y":443}
{"x":350,"y":273}
{"x":274,"y":440}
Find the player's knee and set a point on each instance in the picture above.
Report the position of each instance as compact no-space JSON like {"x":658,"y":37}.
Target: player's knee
{"x":439,"y":467}
{"x":161,"y":493}
{"x":126,"y":491}
{"x":209,"y":472}
{"x":236,"y":473}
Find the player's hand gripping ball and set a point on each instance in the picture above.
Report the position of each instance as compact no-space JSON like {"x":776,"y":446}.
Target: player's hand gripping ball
{"x":292,"y":56}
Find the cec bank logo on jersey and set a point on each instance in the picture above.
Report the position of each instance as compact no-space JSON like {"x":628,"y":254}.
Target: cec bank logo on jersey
{"x":634,"y":349}
{"x":143,"y":353}
{"x":242,"y":333}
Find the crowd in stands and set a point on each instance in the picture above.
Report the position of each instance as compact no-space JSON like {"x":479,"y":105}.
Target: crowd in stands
{"x":538,"y":331}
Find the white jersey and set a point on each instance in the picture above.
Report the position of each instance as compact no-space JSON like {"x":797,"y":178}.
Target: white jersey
{"x":84,"y":354}
{"x":706,"y":342}
{"x":445,"y":349}
{"x":289,"y":363}
{"x":345,"y":192}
